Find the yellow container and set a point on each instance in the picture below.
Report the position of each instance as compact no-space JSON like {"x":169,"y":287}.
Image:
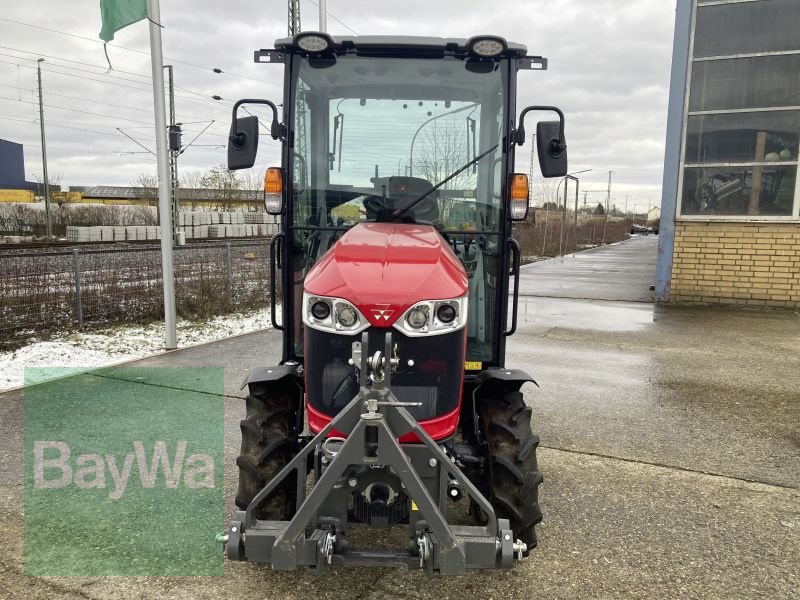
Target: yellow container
{"x":16,"y":196}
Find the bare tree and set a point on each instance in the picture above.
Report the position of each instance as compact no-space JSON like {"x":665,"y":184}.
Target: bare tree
{"x":147,"y":185}
{"x":224,"y":187}
{"x":53,"y":181}
{"x":544,"y":193}
{"x":252,"y":182}
{"x":191,"y":184}
{"x":440,"y":149}
{"x":253,"y":179}
{"x":141,"y":215}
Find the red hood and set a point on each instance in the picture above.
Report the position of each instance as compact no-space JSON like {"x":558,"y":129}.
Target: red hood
{"x":385,"y":268}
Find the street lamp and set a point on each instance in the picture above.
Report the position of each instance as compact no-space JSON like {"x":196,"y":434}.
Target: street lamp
{"x":44,"y":151}
{"x":568,"y":176}
{"x":564,"y":216}
{"x":416,"y":133}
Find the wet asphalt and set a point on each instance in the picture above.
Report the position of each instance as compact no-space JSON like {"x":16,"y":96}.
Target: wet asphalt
{"x":670,"y":450}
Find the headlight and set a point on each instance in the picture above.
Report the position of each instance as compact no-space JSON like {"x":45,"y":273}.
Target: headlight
{"x":347,"y":316}
{"x":333,"y":315}
{"x":434,"y":317}
{"x":320,"y":310}
{"x":446,"y":313}
{"x":418,"y":317}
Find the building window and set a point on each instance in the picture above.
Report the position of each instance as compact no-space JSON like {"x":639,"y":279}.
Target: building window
{"x":746,"y":27}
{"x":742,"y":121}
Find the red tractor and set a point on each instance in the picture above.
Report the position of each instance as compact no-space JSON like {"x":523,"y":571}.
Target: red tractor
{"x":396,"y":196}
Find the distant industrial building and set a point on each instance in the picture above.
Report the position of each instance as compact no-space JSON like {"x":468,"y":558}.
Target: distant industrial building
{"x":188,"y":198}
{"x":730,"y":230}
{"x":12,"y":167}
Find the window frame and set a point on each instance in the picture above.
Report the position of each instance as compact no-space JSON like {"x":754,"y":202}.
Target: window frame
{"x":683,"y":165}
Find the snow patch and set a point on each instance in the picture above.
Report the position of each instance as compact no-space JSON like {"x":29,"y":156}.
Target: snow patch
{"x":84,"y":351}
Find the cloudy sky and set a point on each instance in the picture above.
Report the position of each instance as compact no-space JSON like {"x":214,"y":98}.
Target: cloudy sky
{"x":609,"y":72}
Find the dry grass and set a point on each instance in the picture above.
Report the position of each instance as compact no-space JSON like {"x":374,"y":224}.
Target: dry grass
{"x":553,"y":235}
{"x":38,"y":291}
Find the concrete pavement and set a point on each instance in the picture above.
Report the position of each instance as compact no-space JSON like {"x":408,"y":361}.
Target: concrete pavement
{"x":670,"y":450}
{"x":623,"y":272}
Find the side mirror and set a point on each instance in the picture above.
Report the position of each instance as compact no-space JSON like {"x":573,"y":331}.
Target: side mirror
{"x":552,"y":150}
{"x":550,"y":141}
{"x":243,"y":143}
{"x":243,"y":139}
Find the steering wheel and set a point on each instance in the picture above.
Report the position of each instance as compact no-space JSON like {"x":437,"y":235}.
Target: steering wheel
{"x":374,"y":204}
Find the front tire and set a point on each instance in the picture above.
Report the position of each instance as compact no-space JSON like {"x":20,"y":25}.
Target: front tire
{"x":513,"y":467}
{"x":266,"y":448}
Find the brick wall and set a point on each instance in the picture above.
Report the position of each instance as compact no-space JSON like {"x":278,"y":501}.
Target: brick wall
{"x":737,"y":263}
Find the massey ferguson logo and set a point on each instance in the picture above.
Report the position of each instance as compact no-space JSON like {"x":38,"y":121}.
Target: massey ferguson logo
{"x":382,"y":312}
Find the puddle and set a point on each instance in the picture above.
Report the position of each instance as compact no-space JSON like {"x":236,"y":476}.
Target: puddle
{"x":584,"y":314}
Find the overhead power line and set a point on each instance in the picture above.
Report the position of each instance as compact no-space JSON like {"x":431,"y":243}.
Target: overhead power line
{"x":80,"y":151}
{"x":85,"y":112}
{"x":146,"y":83}
{"x":337,"y":19}
{"x":173,"y":60}
{"x":84,"y":99}
{"x":75,"y":62}
{"x":50,"y":123}
{"x":194,"y":101}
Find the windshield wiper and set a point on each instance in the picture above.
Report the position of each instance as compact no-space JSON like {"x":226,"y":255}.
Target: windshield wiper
{"x":401,"y":211}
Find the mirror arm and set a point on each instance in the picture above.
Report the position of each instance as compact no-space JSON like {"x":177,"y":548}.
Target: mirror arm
{"x":557,"y":147}
{"x":277,"y":130}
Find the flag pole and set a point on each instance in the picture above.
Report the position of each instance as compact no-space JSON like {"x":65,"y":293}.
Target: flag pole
{"x":165,"y":211}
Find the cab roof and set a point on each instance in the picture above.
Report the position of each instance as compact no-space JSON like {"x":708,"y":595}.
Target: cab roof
{"x":405,"y":42}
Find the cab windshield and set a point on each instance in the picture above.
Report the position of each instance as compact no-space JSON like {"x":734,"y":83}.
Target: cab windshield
{"x":372,"y":135}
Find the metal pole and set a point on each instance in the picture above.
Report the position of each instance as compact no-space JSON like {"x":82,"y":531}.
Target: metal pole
{"x":171,"y":94}
{"x":294,"y":18}
{"x":76,"y":266}
{"x":173,"y":158}
{"x":563,"y":215}
{"x":530,"y":171}
{"x":157,"y":68}
{"x":44,"y":151}
{"x":577,"y":192}
{"x":323,"y":16}
{"x":229,"y":268}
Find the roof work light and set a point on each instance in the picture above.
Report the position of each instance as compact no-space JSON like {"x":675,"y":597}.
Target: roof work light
{"x":487,"y":47}
{"x":313,"y":42}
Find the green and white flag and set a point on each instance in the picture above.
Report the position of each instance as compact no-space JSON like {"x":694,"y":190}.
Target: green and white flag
{"x":117,"y":14}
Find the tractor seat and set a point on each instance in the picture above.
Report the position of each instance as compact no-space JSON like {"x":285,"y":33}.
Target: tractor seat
{"x":401,"y":191}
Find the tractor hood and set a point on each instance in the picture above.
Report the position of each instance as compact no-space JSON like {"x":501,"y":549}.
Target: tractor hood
{"x":385,"y":268}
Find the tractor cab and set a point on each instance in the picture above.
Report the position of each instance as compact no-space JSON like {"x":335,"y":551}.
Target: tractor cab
{"x":397,"y":194}
{"x":373,"y":122}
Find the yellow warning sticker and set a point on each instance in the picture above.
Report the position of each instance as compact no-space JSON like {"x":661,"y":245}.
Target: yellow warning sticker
{"x":414,"y":506}
{"x":473,"y":366}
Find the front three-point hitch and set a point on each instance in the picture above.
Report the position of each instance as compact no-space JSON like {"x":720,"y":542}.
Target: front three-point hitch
{"x":368,"y":476}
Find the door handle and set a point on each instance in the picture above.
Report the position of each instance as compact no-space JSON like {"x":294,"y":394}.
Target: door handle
{"x":275,"y":249}
{"x":513,"y":246}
